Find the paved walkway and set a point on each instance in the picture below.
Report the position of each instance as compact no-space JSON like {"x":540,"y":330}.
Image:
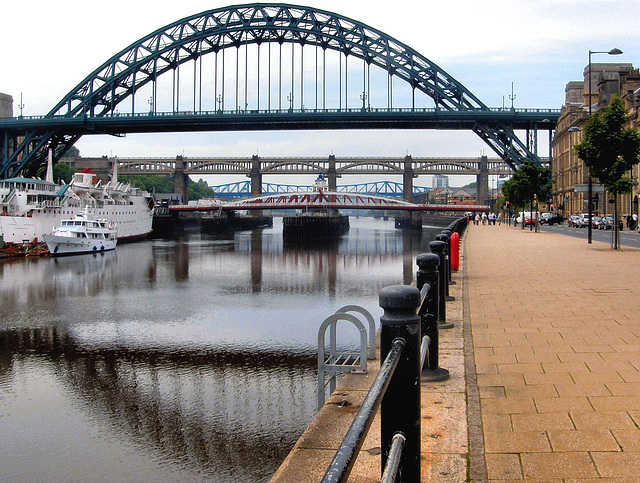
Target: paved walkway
{"x":555,"y":326}
{"x":545,"y":371}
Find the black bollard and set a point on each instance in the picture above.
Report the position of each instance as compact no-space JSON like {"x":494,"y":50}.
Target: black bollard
{"x":400,"y":407}
{"x":438,"y":248}
{"x":428,"y":274}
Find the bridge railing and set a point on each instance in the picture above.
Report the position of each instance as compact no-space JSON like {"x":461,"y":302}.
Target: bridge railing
{"x":351,"y":110}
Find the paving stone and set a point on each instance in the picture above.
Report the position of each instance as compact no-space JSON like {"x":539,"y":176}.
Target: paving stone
{"x":583,"y":440}
{"x":503,"y":466}
{"x":545,"y":466}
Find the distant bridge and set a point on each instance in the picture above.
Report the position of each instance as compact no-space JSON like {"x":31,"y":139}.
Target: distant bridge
{"x":332,"y":167}
{"x":306,"y":165}
{"x":242,"y":189}
{"x":265,"y":67}
{"x":322,"y":200}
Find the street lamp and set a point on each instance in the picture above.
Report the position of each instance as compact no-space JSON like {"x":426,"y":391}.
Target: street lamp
{"x":590,"y":187}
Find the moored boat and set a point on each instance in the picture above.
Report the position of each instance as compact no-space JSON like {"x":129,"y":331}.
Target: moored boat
{"x":29,"y":208}
{"x":82,"y":234}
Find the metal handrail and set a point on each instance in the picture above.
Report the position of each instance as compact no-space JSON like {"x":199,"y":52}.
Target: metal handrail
{"x":344,"y":459}
{"x":393,"y":462}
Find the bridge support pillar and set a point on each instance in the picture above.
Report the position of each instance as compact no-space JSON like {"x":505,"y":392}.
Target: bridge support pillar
{"x":256,"y":180}
{"x":332,"y":175}
{"x":255,"y":176}
{"x":181,"y":181}
{"x":482,"y":182}
{"x":409,"y":219}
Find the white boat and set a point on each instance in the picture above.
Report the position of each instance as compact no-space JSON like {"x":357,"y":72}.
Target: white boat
{"x":82,"y":234}
{"x":29,"y":208}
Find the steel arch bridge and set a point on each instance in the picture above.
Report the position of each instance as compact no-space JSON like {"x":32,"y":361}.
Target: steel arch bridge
{"x":140,"y":88}
{"x":242,"y":189}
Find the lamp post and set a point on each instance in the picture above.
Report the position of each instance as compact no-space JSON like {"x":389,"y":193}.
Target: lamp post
{"x":590,"y":186}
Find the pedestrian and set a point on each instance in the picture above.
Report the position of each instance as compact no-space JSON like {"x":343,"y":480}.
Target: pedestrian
{"x":499,"y":218}
{"x":476,"y":220}
{"x":635,"y":221}
{"x":484,"y":218}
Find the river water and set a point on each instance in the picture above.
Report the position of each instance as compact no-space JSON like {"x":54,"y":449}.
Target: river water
{"x":183,"y":359}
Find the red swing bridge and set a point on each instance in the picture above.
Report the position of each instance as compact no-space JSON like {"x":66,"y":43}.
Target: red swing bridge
{"x":322,"y":200}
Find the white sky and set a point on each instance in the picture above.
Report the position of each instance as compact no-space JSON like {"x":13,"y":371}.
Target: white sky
{"x":538,"y":45}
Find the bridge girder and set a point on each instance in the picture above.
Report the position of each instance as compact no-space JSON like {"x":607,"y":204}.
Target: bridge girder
{"x":308,"y":165}
{"x":91,"y":107}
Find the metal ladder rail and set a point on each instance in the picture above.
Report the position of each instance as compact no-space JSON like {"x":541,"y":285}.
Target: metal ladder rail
{"x":336,"y":362}
{"x":372,"y":326}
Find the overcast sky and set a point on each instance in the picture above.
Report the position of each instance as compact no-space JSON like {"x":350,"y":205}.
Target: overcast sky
{"x":538,"y":45}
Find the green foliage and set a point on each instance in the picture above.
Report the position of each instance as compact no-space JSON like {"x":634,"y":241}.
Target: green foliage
{"x":63,"y":172}
{"x":529,"y":182}
{"x":199,"y":190}
{"x":73,"y":152}
{"x":608,"y":149}
{"x":159,"y":184}
{"x":165,"y":184}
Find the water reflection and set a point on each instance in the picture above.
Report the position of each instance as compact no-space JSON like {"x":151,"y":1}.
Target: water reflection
{"x":206,"y":411}
{"x":176,"y":359}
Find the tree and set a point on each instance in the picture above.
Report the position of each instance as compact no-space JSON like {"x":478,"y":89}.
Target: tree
{"x":529,"y":182}
{"x":73,"y":152}
{"x":610,"y":151}
{"x":63,"y":172}
{"x":165,"y":184}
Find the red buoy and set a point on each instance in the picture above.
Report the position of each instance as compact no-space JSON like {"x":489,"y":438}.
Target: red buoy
{"x":455,"y":251}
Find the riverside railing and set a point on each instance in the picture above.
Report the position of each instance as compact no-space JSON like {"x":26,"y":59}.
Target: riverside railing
{"x":395,"y":390}
{"x":409,"y":351}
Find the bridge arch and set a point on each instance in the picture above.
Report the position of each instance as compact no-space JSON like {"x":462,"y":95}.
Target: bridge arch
{"x":129,"y":80}
{"x":165,"y":49}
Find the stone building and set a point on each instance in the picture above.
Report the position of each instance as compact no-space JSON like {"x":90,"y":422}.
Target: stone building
{"x":6,"y":105}
{"x":568,"y":171}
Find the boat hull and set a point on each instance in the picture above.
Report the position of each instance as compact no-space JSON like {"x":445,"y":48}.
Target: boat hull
{"x":64,"y":245}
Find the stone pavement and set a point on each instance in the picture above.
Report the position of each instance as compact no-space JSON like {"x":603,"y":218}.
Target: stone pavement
{"x":545,"y":370}
{"x":555,"y":324}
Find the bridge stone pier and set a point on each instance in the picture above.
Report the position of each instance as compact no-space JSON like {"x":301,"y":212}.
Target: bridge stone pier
{"x":256,"y":177}
{"x":332,"y":174}
{"x":181,"y":183}
{"x":482,"y":182}
{"x":409,"y":218}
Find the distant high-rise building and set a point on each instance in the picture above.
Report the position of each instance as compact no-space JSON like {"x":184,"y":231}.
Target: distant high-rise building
{"x":440,"y":181}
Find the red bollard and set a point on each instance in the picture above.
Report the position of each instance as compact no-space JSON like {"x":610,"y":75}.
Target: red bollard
{"x":455,"y":251}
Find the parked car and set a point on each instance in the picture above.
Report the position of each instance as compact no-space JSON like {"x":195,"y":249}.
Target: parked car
{"x":573,"y":220}
{"x":595,"y":221}
{"x":527,"y":217}
{"x":583,"y":222}
{"x":606,"y":223}
{"x":551,"y":219}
